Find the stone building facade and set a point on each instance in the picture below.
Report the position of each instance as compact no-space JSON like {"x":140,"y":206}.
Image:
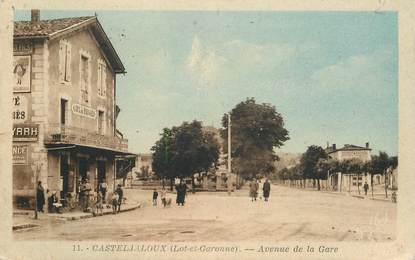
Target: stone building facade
{"x":64,"y":116}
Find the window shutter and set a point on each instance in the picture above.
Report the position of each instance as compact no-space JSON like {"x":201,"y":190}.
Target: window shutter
{"x":99,"y":79}
{"x":61,"y":61}
{"x":68,"y":62}
{"x":104,"y":81}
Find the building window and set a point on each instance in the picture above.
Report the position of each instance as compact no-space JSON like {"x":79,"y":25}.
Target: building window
{"x":85,"y":77}
{"x":101,"y":122}
{"x":64,"y":111}
{"x":102,"y":78}
{"x":64,"y":61}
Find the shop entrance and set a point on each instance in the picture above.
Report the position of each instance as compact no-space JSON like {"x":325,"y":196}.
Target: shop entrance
{"x":83,"y":168}
{"x":64,"y":175}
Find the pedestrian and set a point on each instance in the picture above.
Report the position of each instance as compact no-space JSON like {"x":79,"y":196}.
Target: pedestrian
{"x":155,"y":195}
{"x":103,"y":188}
{"x":253,"y":190}
{"x":366,"y":187}
{"x":86,"y":189}
{"x":266,"y":188}
{"x":120,"y":193}
{"x":163,"y":197}
{"x":181,"y":189}
{"x":114,"y":202}
{"x":40,"y":197}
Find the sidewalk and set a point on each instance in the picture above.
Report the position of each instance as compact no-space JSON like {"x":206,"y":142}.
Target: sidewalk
{"x":23,"y":219}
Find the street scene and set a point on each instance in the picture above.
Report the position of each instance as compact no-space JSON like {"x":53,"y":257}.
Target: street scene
{"x":289,"y":215}
{"x":158,"y":126}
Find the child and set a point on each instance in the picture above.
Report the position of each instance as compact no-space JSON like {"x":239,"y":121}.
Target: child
{"x":114,"y":199}
{"x":163,"y":197}
{"x":155,"y":195}
{"x":98,"y":203}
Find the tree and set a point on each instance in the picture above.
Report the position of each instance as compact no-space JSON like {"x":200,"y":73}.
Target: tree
{"x":256,"y":130}
{"x":379,"y":165}
{"x":309,"y":161}
{"x":162,"y":157}
{"x":183,"y":151}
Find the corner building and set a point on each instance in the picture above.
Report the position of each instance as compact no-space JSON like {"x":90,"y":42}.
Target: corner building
{"x":64,"y":107}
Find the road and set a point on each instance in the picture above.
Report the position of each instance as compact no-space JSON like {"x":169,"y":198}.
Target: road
{"x":289,"y":215}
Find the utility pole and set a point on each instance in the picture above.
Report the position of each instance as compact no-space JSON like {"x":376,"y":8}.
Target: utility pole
{"x":229,"y":156}
{"x":38,"y":166}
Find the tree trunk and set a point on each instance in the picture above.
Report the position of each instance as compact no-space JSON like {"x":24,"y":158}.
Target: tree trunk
{"x":358,"y":183}
{"x":341,"y":182}
{"x":162,"y":182}
{"x":350,"y":181}
{"x":171,"y":184}
{"x":318,"y":184}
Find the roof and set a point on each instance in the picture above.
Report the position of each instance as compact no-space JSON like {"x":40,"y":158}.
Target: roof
{"x":50,"y":29}
{"x":347,"y":147}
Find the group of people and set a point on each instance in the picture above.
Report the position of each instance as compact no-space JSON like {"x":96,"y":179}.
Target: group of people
{"x":89,"y":201}
{"x":54,"y":205}
{"x":181,"y":190}
{"x":254,"y":187}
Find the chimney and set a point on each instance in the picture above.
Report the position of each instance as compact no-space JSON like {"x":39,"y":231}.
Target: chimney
{"x":367,"y":145}
{"x":35,"y":15}
{"x":334,"y":146}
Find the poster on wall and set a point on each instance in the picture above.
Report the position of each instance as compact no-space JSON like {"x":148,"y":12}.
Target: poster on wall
{"x":21,"y":73}
{"x":20,"y":108}
{"x":20,"y":154}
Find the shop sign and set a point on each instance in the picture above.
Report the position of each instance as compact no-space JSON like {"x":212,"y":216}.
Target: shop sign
{"x":19,"y":108}
{"x":25,"y":132}
{"x":21,"y":73}
{"x":20,"y":154}
{"x":84,"y":111}
{"x":22,"y":47}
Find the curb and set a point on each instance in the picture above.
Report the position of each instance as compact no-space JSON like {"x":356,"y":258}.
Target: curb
{"x":24,"y":226}
{"x":103,"y":214}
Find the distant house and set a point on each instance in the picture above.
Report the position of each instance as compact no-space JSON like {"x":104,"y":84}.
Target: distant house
{"x":348,"y":181}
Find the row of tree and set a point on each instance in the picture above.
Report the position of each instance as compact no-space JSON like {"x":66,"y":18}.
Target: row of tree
{"x":315,"y":164}
{"x":256,"y":130}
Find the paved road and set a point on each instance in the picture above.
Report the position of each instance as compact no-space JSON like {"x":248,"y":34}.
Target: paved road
{"x":290,"y":215}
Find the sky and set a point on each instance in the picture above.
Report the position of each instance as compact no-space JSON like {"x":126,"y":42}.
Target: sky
{"x":333,"y":76}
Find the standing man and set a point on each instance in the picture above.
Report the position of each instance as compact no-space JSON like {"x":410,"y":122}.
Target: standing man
{"x":253,"y":190}
{"x":266,"y":188}
{"x":103,"y":188}
{"x":120,"y":193}
{"x":40,"y":197}
{"x":366,"y":187}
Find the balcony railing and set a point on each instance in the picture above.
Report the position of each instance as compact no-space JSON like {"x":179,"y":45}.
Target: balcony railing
{"x":74,"y":135}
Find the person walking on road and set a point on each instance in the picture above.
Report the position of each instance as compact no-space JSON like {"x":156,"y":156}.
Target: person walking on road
{"x":40,"y":197}
{"x":163,"y":197}
{"x":266,"y":188}
{"x":253,"y":189}
{"x":120,"y":193}
{"x":155,"y":195}
{"x":366,"y":187}
{"x":181,"y":193}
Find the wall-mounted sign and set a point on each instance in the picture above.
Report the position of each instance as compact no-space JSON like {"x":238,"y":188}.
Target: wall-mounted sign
{"x":20,"y":106}
{"x":25,"y":132}
{"x":84,"y":111}
{"x":22,"y":47}
{"x":21,"y":73}
{"x":20,"y":154}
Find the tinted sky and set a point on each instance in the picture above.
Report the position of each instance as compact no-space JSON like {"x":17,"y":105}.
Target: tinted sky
{"x":332,"y":75}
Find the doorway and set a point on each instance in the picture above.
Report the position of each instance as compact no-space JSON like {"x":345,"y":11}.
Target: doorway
{"x":64,"y":175}
{"x":101,"y":168}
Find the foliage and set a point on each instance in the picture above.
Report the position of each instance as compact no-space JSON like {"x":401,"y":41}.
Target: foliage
{"x":184,"y":150}
{"x":256,"y":130}
{"x":309,"y":161}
